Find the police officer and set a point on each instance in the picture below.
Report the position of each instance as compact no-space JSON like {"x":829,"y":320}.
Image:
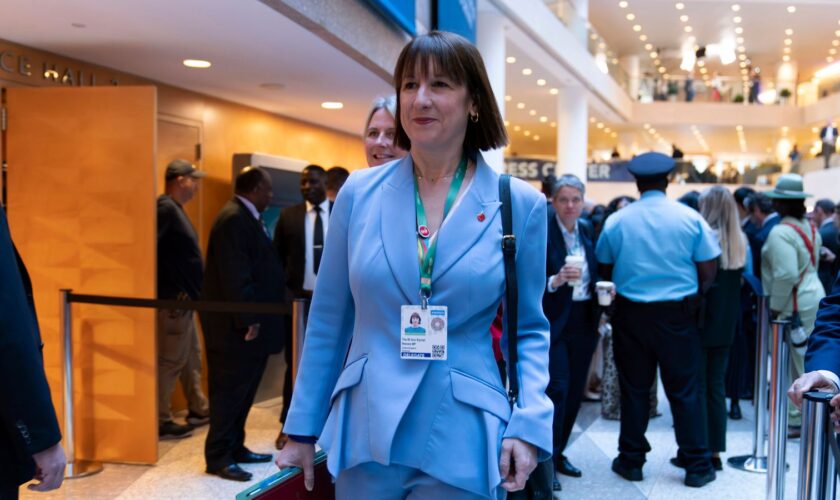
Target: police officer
{"x":661,"y":255}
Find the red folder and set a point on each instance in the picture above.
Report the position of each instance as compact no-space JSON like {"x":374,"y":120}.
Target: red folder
{"x":287,"y":484}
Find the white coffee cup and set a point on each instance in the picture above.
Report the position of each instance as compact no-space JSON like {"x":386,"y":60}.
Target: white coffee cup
{"x":575,"y":261}
{"x":604,"y":290}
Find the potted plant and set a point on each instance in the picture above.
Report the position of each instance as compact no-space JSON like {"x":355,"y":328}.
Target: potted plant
{"x":784,"y":96}
{"x":738,"y":98}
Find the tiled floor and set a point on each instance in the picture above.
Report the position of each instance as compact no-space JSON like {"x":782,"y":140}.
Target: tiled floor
{"x":179,"y":473}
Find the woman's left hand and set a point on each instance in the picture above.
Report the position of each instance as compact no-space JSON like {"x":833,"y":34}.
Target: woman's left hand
{"x":517,"y":462}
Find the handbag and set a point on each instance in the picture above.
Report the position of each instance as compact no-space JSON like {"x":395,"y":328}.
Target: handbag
{"x":540,"y":482}
{"x":798,"y":334}
{"x":288,"y":483}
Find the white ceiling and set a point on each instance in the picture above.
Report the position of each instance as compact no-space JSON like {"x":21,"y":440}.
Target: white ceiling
{"x":763,"y":21}
{"x":248,"y":43}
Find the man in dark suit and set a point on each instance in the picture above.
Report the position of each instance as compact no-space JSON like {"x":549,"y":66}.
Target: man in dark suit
{"x":823,"y":217}
{"x":828,"y":136}
{"x":30,"y":440}
{"x":764,"y":218}
{"x":570,"y":306}
{"x":822,"y":359}
{"x":242,"y":266}
{"x":299,"y":241}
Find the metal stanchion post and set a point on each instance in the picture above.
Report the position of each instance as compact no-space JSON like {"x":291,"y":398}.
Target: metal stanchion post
{"x":757,"y":461}
{"x":75,"y":468}
{"x":816,"y":463}
{"x":779,"y":375}
{"x":300,"y":310}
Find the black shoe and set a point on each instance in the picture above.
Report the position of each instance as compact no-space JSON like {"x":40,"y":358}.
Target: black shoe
{"x":699,"y":479}
{"x":247,"y":456}
{"x":232,"y":472}
{"x":717,"y":464}
{"x":628,"y":472}
{"x":196,"y":420}
{"x":677,"y":462}
{"x":735,"y":411}
{"x":170,"y":430}
{"x":556,"y":486}
{"x":563,"y":466}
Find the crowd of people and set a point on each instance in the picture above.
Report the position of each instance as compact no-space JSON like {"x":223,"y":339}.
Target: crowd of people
{"x":422,"y":270}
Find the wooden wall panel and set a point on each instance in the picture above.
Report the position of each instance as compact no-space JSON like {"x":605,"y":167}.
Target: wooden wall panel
{"x":81,"y":207}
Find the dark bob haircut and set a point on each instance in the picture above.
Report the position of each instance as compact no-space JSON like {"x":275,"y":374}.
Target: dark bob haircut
{"x":458,"y":59}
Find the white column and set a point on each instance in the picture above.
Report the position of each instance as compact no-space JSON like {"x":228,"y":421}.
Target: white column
{"x":490,"y":40}
{"x":572,"y":132}
{"x":579,"y":25}
{"x":630,"y":65}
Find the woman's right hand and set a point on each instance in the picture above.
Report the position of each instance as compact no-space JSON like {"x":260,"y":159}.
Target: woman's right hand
{"x":301,"y":455}
{"x":567,"y":273}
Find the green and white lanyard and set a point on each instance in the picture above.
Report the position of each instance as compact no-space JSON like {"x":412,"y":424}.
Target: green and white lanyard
{"x":426,"y":242}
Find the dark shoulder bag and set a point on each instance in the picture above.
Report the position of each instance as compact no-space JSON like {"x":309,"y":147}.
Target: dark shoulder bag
{"x":540,"y":483}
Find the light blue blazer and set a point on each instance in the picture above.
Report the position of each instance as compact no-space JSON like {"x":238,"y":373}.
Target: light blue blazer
{"x":446,"y":418}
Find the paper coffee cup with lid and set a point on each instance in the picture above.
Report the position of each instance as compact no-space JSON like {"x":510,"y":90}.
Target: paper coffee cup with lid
{"x":575,"y":261}
{"x":604,"y":290}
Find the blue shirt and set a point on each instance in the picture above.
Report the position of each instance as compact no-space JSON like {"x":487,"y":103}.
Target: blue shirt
{"x":653,"y":245}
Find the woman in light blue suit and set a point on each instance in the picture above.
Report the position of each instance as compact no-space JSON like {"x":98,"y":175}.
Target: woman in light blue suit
{"x":401,"y":427}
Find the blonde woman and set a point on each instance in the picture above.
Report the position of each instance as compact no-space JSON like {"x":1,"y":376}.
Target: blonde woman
{"x":717,"y":205}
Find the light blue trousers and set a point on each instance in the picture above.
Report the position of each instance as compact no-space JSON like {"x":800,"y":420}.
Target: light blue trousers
{"x":396,"y":482}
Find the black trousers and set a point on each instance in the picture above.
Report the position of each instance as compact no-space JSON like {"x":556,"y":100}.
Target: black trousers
{"x":287,"y":356}
{"x":233,"y":379}
{"x":663,"y":333}
{"x":8,"y":489}
{"x":569,"y":357}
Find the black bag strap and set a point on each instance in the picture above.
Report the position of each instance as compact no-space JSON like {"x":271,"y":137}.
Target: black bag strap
{"x":511,"y":290}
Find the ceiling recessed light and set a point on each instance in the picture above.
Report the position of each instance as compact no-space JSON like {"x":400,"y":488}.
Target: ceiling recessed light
{"x":508,"y":98}
{"x":653,"y":55}
{"x":648,"y":46}
{"x":742,"y":57}
{"x":507,"y":123}
{"x":791,"y":9}
{"x":599,"y":125}
{"x":527,"y":133}
{"x":197,"y":63}
{"x":736,"y":7}
{"x":829,"y":59}
{"x":643,"y":38}
{"x":592,"y":119}
{"x":536,"y":137}
{"x":786,"y":58}
{"x":701,"y":63}
{"x":661,"y":69}
{"x":684,"y":18}
{"x":657,"y":62}
{"x":739,"y":30}
{"x":622,"y":4}
{"x":788,"y":32}
{"x":593,"y":36}
{"x":631,"y":16}
{"x":680,"y":6}
{"x":788,"y":41}
{"x":742,"y":49}
{"x":527,"y":71}
{"x":553,"y":124}
{"x":736,"y":19}
{"x":688,"y":29}
{"x":832,"y":51}
{"x":520,"y":105}
{"x":742,"y":64}
{"x":332,"y":105}
{"x":533,"y":112}
{"x":837,"y":33}
{"x":543,"y":119}
{"x":541,"y":82}
{"x":517,"y":128}
{"x":787,"y":50}
{"x":510,"y":59}
{"x":739,"y":40}
{"x":554,"y":91}
{"x":637,"y":27}
{"x":602,"y":45}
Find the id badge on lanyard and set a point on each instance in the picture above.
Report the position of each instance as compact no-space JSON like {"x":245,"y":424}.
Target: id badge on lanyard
{"x":424,"y":328}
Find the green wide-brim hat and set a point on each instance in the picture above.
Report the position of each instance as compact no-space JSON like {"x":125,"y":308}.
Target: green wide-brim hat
{"x":788,"y":187}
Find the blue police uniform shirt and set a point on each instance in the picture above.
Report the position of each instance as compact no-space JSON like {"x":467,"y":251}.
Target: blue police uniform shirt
{"x":653,"y":245}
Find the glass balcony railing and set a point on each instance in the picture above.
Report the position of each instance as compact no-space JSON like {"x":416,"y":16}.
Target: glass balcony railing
{"x":605,"y":58}
{"x":676,"y":88}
